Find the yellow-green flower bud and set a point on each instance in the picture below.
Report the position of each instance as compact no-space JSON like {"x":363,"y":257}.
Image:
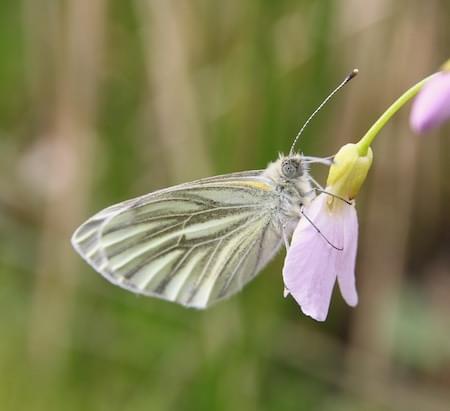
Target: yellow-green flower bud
{"x":348,"y":172}
{"x":446,"y":66}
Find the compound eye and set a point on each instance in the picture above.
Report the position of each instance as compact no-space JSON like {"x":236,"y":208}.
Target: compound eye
{"x":290,"y":168}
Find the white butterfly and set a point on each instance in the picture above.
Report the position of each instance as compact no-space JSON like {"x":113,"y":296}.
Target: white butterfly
{"x":200,"y":242}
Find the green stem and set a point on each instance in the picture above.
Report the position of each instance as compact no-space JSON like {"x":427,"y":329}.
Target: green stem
{"x":367,"y":139}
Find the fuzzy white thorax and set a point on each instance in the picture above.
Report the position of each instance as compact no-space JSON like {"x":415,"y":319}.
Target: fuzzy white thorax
{"x":294,"y":193}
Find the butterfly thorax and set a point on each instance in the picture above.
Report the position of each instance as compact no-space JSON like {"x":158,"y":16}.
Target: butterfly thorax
{"x":293,"y":185}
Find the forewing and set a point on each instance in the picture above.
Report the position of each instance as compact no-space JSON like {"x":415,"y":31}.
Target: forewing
{"x":194,"y":244}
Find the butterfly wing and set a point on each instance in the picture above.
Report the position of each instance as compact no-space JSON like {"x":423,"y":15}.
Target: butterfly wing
{"x":193,"y":244}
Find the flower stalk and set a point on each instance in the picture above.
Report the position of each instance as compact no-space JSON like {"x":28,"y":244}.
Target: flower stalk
{"x":367,"y":139}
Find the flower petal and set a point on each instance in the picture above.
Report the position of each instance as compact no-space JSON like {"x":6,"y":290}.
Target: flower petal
{"x":432,"y":105}
{"x":346,"y":261}
{"x":309,"y":268}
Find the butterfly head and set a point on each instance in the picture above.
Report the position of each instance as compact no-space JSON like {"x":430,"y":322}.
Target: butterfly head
{"x":291,"y":167}
{"x":287,"y":169}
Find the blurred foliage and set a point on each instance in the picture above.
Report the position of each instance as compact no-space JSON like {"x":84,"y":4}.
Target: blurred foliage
{"x":105,"y":100}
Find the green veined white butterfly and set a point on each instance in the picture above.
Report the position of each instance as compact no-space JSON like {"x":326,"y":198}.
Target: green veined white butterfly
{"x":200,"y":242}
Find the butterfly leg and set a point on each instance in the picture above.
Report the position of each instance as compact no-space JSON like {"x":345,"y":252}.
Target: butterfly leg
{"x":314,"y":181}
{"x":286,"y":244}
{"x":319,"y":232}
{"x":327,"y":161}
{"x":320,"y":189}
{"x":285,"y":239}
{"x":334,"y":195}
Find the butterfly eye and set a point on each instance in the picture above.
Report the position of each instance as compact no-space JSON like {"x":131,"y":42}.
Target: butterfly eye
{"x":291,"y":168}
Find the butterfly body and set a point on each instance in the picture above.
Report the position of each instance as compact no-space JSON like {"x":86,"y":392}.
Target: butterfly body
{"x":199,"y":242}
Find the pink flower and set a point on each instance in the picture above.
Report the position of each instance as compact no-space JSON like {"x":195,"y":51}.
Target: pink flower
{"x":431,"y":107}
{"x":323,"y":247}
{"x":312,"y":264}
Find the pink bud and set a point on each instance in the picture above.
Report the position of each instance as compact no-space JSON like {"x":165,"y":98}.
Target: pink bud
{"x":431,"y":107}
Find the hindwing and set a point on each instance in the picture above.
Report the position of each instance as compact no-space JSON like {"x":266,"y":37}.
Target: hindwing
{"x":194,"y":244}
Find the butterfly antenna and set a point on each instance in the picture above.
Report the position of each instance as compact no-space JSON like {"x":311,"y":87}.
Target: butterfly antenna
{"x":344,"y":82}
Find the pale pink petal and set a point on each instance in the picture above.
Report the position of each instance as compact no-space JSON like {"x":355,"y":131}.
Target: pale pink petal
{"x":309,"y":270}
{"x":431,"y":107}
{"x":346,"y":260}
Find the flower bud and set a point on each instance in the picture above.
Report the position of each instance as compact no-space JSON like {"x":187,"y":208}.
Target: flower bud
{"x":348,"y":172}
{"x":431,"y":108}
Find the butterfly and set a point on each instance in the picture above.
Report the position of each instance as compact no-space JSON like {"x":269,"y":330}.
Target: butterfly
{"x":200,"y":242}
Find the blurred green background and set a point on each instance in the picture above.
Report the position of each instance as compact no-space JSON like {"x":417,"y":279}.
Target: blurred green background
{"x":101,"y":101}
